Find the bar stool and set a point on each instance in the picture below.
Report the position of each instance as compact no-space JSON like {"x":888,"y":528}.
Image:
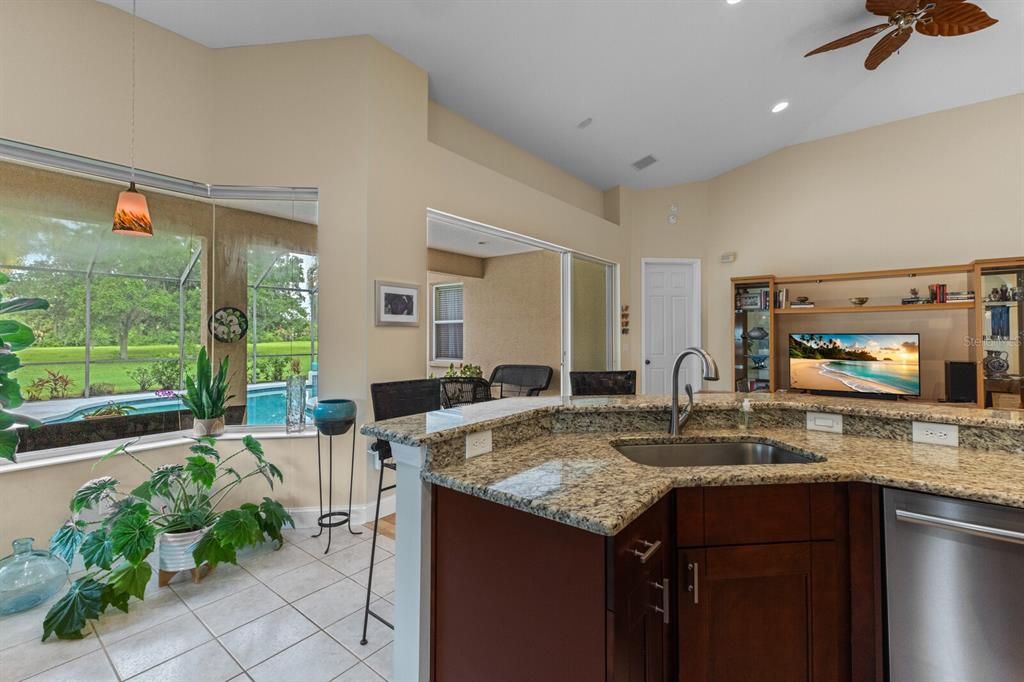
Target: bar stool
{"x":390,"y":400}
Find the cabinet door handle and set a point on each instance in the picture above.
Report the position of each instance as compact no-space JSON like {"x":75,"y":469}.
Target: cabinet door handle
{"x":663,"y":609}
{"x":651,"y":549}
{"x":694,"y":587}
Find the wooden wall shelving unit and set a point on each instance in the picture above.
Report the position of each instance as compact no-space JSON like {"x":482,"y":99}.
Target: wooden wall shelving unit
{"x":973,"y":273}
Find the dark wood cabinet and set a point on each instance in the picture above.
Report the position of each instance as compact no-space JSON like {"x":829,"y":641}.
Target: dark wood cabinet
{"x":640,"y":598}
{"x":709,"y":584}
{"x":759,"y":599}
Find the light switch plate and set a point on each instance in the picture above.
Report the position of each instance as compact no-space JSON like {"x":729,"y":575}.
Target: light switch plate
{"x":479,"y":443}
{"x":937,"y":434}
{"x":822,"y":421}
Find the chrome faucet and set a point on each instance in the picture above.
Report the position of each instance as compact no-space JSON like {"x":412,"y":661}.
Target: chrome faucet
{"x":710,"y":369}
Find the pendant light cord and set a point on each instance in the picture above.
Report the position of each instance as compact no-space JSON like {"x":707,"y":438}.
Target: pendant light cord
{"x":131,"y":143}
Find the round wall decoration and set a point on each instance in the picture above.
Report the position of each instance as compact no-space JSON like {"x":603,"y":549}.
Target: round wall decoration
{"x":228,"y":324}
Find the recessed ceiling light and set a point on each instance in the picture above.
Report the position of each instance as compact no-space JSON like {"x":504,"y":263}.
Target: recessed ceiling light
{"x":733,"y":2}
{"x":481,"y":243}
{"x":781,"y":106}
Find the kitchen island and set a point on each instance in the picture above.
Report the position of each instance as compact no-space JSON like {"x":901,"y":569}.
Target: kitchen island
{"x":553,"y":497}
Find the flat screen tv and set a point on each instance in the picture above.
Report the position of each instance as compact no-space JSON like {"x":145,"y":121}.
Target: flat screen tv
{"x":875,"y":364}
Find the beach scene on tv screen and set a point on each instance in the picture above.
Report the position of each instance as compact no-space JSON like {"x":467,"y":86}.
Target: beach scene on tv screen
{"x":858,"y":363}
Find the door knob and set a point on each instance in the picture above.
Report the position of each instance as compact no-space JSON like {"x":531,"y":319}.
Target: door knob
{"x":647,"y":362}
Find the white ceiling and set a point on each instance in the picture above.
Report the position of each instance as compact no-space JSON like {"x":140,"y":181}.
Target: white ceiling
{"x":447,"y":236}
{"x":691,"y":81}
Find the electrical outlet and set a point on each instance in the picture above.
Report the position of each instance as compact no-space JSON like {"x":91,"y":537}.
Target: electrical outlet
{"x":937,"y":434}
{"x":479,"y":443}
{"x":822,"y":421}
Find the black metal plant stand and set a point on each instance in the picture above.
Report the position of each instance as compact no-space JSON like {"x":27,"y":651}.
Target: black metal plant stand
{"x":333,"y":519}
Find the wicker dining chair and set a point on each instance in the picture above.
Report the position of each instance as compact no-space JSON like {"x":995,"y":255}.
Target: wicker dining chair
{"x":603,"y":383}
{"x":457,"y":391}
{"x":394,"y":399}
{"x":521,"y":380}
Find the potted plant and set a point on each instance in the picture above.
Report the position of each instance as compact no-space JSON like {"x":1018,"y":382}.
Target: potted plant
{"x":111,"y":409}
{"x":206,"y":396}
{"x":178,"y":509}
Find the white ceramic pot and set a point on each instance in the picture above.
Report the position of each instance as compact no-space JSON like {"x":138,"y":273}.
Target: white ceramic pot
{"x":208,"y":427}
{"x":175,"y":551}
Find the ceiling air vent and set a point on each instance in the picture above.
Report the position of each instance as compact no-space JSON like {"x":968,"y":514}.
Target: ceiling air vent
{"x":648,"y":160}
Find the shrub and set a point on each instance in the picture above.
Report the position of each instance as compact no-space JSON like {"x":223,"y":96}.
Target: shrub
{"x":165,"y":373}
{"x":102,"y":388}
{"x":54,"y":385}
{"x":271,"y":369}
{"x":143,"y":376}
{"x":464,"y":370}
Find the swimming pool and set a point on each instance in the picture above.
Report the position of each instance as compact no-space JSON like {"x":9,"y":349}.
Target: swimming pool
{"x":265,"y":405}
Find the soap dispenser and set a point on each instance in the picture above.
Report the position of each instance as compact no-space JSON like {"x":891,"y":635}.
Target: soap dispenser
{"x":744,"y":417}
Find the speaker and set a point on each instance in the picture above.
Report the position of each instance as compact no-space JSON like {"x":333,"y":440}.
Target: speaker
{"x":961,"y":382}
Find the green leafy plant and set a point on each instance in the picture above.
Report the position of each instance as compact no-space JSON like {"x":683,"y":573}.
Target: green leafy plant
{"x":176,"y":498}
{"x":143,"y":376}
{"x":165,"y":374}
{"x":206,"y":394}
{"x":102,"y":388}
{"x":111,"y":409}
{"x":271,"y":369}
{"x":54,"y":384}
{"x":14,"y":336}
{"x":464,"y":370}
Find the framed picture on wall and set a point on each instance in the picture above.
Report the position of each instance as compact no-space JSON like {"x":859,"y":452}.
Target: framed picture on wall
{"x":397,"y":304}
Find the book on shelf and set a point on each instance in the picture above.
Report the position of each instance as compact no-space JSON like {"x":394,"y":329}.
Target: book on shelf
{"x":809,"y":304}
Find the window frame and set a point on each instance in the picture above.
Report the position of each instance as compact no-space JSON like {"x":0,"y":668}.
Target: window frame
{"x":434,"y":357}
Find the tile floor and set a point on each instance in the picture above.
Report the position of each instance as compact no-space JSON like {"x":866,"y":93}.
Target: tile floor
{"x":291,"y":614}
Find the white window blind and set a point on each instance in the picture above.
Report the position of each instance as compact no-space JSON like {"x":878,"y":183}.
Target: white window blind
{"x":447,"y":322}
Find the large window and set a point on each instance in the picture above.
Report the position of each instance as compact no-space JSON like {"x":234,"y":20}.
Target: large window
{"x":447,"y":322}
{"x":128,"y":315}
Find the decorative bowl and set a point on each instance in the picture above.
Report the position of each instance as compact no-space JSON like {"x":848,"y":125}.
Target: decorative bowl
{"x":334,"y":416}
{"x":801,"y":299}
{"x":760,"y":361}
{"x":859,"y":300}
{"x":758,"y":333}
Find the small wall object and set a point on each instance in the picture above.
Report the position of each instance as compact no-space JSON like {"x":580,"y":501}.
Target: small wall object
{"x":228,"y":324}
{"x":624,"y":315}
{"x":396,"y":304}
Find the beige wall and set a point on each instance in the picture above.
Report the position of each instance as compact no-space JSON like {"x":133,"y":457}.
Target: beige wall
{"x":460,"y":135}
{"x":454,"y":263}
{"x":938,"y":189}
{"x":346,"y":115}
{"x":512,"y":315}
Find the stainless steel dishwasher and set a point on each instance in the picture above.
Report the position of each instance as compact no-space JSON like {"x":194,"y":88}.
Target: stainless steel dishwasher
{"x":955,"y":589}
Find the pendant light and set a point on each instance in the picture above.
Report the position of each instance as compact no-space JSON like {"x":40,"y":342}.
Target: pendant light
{"x":132,"y":213}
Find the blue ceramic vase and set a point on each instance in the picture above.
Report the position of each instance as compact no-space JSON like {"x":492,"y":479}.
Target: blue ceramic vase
{"x":334,"y":416}
{"x":29,"y":577}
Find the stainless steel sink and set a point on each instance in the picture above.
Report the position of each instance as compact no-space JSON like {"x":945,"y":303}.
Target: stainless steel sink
{"x":696,"y":454}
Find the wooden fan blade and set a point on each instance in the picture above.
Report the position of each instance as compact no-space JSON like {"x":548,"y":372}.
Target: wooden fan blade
{"x":954,"y":18}
{"x":885,"y":47}
{"x":887,"y":8}
{"x":850,"y":39}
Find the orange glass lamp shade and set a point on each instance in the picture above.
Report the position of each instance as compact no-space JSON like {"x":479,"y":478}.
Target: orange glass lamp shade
{"x":132,"y":214}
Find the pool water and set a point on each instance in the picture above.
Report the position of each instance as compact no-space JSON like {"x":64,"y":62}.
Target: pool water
{"x":265,"y":405}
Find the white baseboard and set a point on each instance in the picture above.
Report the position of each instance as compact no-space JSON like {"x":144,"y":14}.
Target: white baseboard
{"x":305,"y":517}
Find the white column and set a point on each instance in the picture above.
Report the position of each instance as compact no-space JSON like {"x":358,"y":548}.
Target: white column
{"x":411,"y":652}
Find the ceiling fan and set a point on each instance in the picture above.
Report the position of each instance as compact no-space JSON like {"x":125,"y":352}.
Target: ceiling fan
{"x":928,"y":17}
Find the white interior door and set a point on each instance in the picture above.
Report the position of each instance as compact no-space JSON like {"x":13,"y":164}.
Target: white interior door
{"x":671,"y":319}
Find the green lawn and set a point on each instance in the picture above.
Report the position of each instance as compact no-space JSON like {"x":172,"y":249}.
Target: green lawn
{"x":116,"y":372}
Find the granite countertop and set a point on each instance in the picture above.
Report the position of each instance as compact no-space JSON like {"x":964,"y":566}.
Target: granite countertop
{"x":580,"y":479}
{"x":434,"y":427}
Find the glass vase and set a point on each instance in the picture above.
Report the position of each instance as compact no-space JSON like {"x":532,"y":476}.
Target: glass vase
{"x":295,"y":404}
{"x":29,"y":577}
